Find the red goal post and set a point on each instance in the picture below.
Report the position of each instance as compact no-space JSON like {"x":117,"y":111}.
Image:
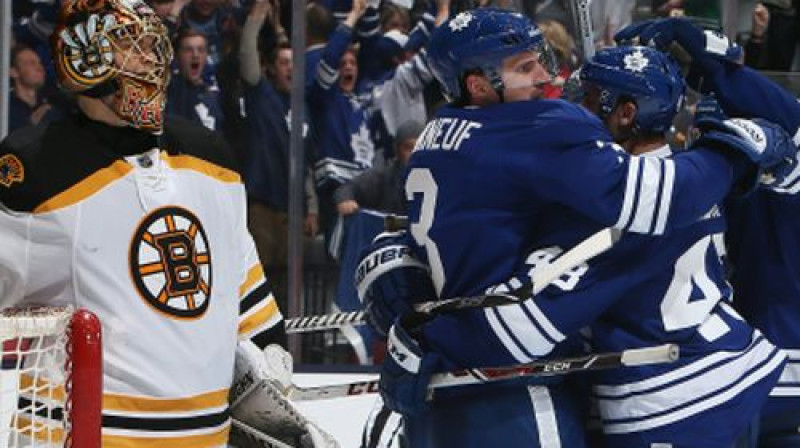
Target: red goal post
{"x":51,"y":378}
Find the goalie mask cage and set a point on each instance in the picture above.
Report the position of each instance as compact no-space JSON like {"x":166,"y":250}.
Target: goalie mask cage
{"x":50,"y":378}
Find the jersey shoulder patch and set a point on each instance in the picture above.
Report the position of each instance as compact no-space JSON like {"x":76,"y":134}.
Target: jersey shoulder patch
{"x":13,"y":151}
{"x":39,"y":162}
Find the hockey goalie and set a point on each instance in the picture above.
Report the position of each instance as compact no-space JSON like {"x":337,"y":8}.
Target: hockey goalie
{"x":141,"y":218}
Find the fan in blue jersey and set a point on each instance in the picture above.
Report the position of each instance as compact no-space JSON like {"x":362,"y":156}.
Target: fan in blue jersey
{"x":498,"y":172}
{"x":349,"y":125}
{"x":762,"y":239}
{"x":339,"y":117}
{"x":265,"y":69}
{"x":668,"y":289}
{"x":188,"y":94}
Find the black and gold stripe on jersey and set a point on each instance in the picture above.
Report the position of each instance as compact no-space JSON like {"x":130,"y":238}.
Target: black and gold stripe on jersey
{"x":217,"y":438}
{"x":167,"y":423}
{"x":68,"y":160}
{"x":259,"y":317}
{"x":141,"y":422}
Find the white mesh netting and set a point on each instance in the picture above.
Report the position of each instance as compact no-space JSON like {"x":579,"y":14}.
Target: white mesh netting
{"x":33,"y":376}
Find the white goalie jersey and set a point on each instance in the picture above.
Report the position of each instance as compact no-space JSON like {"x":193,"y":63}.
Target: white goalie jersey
{"x":155,"y":243}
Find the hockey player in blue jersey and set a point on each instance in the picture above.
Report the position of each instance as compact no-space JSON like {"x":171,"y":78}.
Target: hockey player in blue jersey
{"x":762,"y":237}
{"x":494,"y":175}
{"x":674,"y":288}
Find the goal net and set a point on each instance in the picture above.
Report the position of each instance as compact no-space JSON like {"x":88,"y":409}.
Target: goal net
{"x":50,"y":378}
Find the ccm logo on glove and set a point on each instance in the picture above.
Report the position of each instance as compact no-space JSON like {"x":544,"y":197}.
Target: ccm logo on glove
{"x":401,"y":354}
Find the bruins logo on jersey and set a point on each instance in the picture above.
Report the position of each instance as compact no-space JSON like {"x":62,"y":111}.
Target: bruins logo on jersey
{"x":11,"y":170}
{"x":170,"y":262}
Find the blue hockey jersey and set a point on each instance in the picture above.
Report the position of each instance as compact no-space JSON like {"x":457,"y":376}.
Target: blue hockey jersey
{"x":197,"y":103}
{"x":487,"y":185}
{"x":762,"y":239}
{"x":762,"y":248}
{"x":266,"y":167}
{"x":484,"y":182}
{"x":339,"y":121}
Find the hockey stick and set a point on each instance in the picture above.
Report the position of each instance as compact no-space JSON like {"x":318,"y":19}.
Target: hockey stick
{"x":626,"y":358}
{"x":391,"y":223}
{"x":324,"y":321}
{"x":542,"y":277}
{"x":394,"y":223}
{"x":583,"y":20}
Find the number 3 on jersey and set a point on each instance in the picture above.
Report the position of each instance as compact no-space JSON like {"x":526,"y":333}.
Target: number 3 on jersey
{"x":420,"y":182}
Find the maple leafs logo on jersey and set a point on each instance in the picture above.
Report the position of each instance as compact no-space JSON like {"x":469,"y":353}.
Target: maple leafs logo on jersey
{"x":636,"y":61}
{"x":11,"y":170}
{"x":363,"y":148}
{"x":460,"y":21}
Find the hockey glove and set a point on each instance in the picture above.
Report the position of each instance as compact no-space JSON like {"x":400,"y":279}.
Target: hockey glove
{"x":708,"y":49}
{"x":258,"y":399}
{"x":783,"y":178}
{"x":764,"y":143}
{"x":390,"y":280}
{"x":407,"y":369}
{"x":278,"y":365}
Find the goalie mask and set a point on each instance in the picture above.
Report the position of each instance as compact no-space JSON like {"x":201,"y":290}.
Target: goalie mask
{"x":118,"y":47}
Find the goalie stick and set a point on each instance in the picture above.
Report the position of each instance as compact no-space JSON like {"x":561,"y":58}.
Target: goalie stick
{"x":542,"y":277}
{"x":626,"y":358}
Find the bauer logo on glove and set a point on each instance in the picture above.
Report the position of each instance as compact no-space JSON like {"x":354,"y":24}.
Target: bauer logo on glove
{"x":389,"y":280}
{"x":382,"y":260}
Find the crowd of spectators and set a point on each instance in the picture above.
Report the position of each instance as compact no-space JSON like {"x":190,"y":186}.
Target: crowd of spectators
{"x":368,"y":86}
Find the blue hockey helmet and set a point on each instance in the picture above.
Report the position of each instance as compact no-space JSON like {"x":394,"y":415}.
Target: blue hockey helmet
{"x":651,"y":78}
{"x":481,"y":39}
